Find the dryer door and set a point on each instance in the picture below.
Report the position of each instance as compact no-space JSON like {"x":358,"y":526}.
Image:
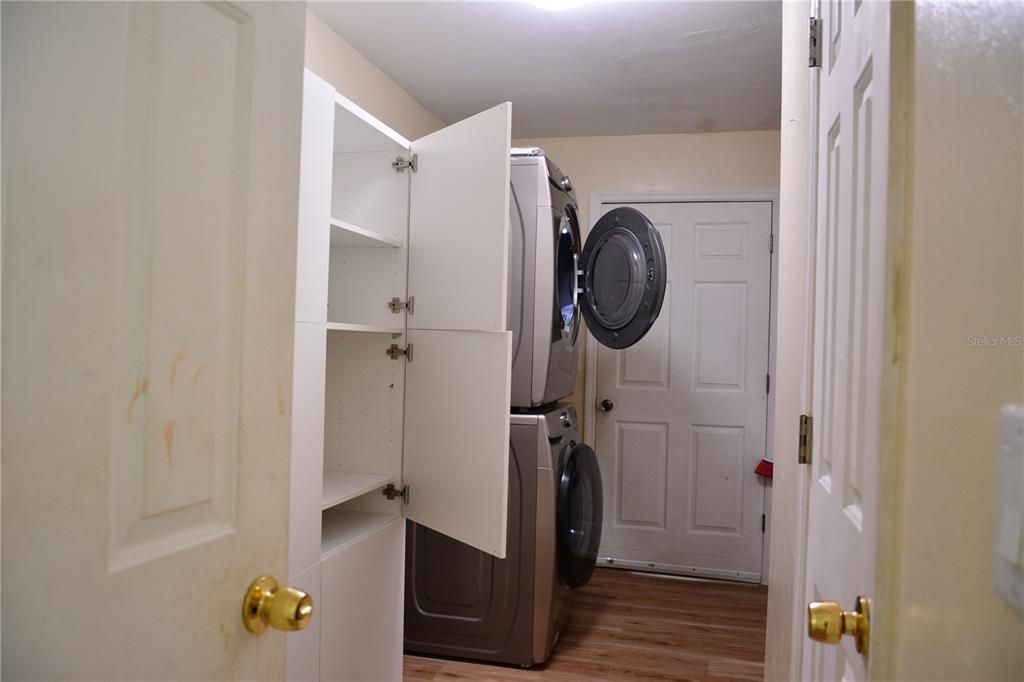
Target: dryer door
{"x":578,"y":516}
{"x":567,"y":252}
{"x":623,"y":276}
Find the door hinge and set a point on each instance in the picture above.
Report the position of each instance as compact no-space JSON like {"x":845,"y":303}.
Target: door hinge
{"x":391,"y":492}
{"x":814,"y":44}
{"x":767,"y":383}
{"x":401,"y":164}
{"x":771,"y":242}
{"x":394,"y":352}
{"x":396,"y":305}
{"x":803,"y":455}
{"x":763,"y":523}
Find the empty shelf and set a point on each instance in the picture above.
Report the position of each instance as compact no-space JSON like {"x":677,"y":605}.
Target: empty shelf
{"x":347,"y":235}
{"x":357,"y":130}
{"x":341,"y":528}
{"x":342,"y":486}
{"x":369,"y":328}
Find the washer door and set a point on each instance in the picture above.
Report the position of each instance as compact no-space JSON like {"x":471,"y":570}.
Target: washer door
{"x":623,"y":277}
{"x":579,"y":512}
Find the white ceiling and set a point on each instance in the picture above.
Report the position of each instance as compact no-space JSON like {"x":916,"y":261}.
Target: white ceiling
{"x":598,"y":69}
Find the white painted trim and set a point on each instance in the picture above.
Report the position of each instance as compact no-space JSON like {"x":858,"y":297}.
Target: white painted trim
{"x":786,"y":611}
{"x":803,"y":477}
{"x":371,"y":120}
{"x":669,"y":197}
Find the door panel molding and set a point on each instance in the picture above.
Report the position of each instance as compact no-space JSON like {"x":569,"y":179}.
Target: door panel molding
{"x":175,"y":448}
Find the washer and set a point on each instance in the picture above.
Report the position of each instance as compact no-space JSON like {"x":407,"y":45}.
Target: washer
{"x":465,"y":603}
{"x":615,"y":280}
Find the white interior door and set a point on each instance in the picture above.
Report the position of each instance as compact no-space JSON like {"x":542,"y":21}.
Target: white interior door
{"x":150,"y":187}
{"x":849,"y":319}
{"x":688,"y":402}
{"x":457,"y":391}
{"x":458,"y":224}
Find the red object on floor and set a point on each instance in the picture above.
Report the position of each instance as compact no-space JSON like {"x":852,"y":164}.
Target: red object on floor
{"x":764,"y":468}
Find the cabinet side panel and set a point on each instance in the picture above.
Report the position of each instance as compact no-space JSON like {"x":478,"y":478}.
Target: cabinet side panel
{"x":302,"y":649}
{"x":362,"y":608}
{"x":314,"y":200}
{"x":364,"y":404}
{"x":307,"y":446}
{"x":363,"y":282}
{"x":368,"y":192}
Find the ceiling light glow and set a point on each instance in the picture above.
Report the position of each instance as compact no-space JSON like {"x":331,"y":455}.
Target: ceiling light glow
{"x":557,"y":5}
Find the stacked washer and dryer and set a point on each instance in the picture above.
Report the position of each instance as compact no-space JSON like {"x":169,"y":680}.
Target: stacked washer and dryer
{"x":462,"y":602}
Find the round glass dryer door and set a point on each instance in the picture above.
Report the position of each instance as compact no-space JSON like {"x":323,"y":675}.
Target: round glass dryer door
{"x":578,"y":516}
{"x":566,"y":268}
{"x":623,"y":280}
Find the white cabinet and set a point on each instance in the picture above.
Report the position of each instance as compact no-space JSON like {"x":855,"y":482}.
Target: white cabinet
{"x":402,"y":367}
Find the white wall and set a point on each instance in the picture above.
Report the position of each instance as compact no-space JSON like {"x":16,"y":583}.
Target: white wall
{"x":680,"y":162}
{"x":965,"y":277}
{"x":333,"y":59}
{"x":676,"y":162}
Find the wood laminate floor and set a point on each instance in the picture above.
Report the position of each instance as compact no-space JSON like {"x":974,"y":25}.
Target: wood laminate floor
{"x":631,"y":626}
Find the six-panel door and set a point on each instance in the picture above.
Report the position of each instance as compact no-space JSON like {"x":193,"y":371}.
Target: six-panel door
{"x":149,"y":238}
{"x":687,"y":418}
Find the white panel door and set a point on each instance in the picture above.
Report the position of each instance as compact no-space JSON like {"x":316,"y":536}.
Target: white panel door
{"x":688,"y":403}
{"x":151,"y":191}
{"x":849,"y":319}
{"x":458,"y":224}
{"x":457,"y":392}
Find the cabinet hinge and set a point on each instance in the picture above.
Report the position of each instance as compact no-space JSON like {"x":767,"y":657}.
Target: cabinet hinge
{"x":771,"y":242}
{"x":814,"y":44}
{"x":401,"y":164}
{"x":391,"y":492}
{"x":806,"y":439}
{"x":763,"y":523}
{"x":396,"y":305}
{"x":767,"y":383}
{"x":394,"y":352}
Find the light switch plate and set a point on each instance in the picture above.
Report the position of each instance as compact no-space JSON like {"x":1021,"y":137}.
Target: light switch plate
{"x":1009,"y":550}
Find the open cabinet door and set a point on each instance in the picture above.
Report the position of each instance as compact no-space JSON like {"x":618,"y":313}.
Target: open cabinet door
{"x":456,"y":434}
{"x":458,"y":224}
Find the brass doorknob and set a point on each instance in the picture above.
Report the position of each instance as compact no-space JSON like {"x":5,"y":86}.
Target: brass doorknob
{"x":827,"y":622}
{"x":282,"y":608}
{"x":607,"y":405}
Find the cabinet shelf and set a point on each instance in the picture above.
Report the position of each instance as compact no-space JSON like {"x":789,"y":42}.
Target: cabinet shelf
{"x":357,"y":130}
{"x":341,"y":528}
{"x":347,"y":235}
{"x":366,"y":328}
{"x":342,"y":486}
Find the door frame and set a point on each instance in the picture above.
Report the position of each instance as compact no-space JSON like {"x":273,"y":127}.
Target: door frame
{"x":770,"y":195}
